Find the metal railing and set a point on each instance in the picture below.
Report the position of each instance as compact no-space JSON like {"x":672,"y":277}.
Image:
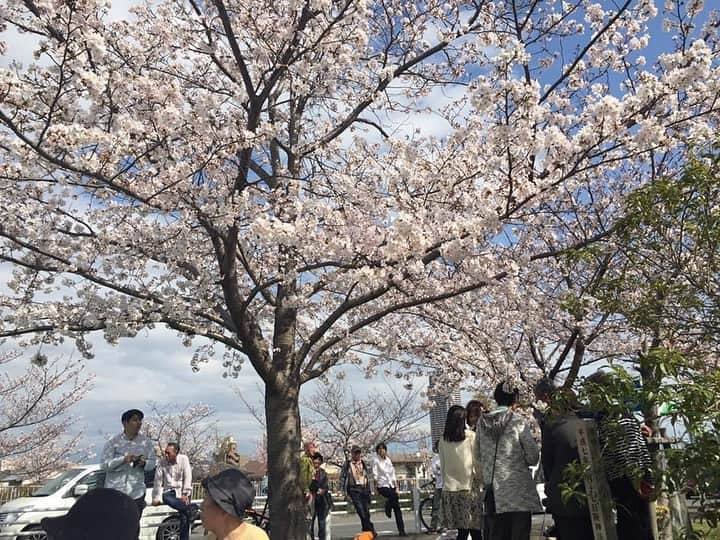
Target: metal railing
{"x":8,"y":493}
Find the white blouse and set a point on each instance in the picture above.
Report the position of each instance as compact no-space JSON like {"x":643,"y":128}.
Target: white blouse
{"x":384,"y":472}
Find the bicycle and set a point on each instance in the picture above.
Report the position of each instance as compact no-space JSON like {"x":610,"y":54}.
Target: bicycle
{"x":260,"y":519}
{"x":426,"y":505}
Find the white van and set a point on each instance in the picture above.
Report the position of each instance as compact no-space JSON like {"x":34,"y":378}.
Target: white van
{"x":20,"y":518}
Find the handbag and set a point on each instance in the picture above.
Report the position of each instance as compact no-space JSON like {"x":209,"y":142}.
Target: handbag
{"x":489,"y":508}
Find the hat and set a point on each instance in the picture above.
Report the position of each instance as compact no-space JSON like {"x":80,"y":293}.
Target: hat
{"x":231,"y":490}
{"x":127,"y":415}
{"x":100,"y":513}
{"x":355,"y":449}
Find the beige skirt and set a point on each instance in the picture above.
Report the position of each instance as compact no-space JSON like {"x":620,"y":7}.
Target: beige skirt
{"x":461,"y":510}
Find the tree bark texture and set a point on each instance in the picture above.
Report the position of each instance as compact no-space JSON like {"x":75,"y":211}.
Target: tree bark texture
{"x":287,"y":506}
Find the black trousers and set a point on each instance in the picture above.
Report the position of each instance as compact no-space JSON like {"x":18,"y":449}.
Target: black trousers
{"x":360,"y":498}
{"x":392,"y":502}
{"x":508,"y":526}
{"x":573,"y":527}
{"x":141,"y":504}
{"x":633,"y":512}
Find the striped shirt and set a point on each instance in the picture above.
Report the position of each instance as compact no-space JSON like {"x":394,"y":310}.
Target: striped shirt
{"x":624,"y":450}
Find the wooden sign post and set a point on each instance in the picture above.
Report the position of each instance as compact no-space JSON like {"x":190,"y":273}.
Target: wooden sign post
{"x":596,"y":485}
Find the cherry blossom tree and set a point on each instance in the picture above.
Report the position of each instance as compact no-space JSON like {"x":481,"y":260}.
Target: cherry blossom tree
{"x":191,"y":425}
{"x":338,"y":419}
{"x":296,"y":181}
{"x":35,"y":434}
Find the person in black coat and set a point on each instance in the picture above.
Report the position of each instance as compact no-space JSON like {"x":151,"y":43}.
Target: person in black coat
{"x":355,"y":478}
{"x":321,"y":496}
{"x":559,"y":450}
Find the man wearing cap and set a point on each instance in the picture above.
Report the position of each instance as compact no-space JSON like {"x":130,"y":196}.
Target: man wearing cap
{"x":227,"y":495}
{"x":355,"y":480}
{"x":126,"y":457}
{"x":100,"y":513}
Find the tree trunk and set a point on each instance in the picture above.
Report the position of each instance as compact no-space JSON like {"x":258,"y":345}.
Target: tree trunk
{"x":287,"y":506}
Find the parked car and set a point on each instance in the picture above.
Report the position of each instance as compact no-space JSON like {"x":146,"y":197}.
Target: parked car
{"x":20,"y":518}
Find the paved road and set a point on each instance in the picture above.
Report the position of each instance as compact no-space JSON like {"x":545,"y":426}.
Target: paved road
{"x":348,"y":525}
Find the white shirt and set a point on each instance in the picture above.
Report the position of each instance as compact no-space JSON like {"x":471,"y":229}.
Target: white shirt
{"x":123,"y":476}
{"x":177,"y":476}
{"x":384,"y":472}
{"x":436,"y":472}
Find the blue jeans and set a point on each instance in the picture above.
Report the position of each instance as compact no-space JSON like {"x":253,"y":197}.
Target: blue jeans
{"x":171,"y":499}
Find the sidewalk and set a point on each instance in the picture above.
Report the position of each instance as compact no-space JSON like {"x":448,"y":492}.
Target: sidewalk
{"x":410,"y":536}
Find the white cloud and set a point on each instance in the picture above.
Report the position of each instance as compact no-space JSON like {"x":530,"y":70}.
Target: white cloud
{"x":20,"y":46}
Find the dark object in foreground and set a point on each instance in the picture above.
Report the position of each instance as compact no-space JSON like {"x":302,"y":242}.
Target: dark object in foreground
{"x":100,"y":513}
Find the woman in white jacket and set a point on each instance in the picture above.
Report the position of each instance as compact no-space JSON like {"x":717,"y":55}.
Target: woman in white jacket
{"x":459,"y":509}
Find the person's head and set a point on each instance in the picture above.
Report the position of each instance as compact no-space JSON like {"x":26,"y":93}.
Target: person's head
{"x":317,"y":460}
{"x":544,"y":389}
{"x":506,"y":394}
{"x":227,"y":495}
{"x":171,"y":451}
{"x":473,"y":410}
{"x":100,"y":513}
{"x":310,"y":448}
{"x":455,"y":424}
{"x":381,"y":450}
{"x":356,"y":453}
{"x":132,"y":422}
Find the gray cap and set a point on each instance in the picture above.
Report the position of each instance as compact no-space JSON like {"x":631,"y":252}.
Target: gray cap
{"x":231,"y":490}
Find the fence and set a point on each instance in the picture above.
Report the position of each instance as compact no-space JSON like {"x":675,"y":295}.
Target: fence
{"x":8,"y":493}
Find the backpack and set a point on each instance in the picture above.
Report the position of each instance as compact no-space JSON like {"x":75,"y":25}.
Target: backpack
{"x":365,"y":535}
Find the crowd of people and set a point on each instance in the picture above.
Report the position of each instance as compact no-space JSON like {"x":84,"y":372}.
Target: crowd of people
{"x":485,"y":486}
{"x":357,"y":479}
